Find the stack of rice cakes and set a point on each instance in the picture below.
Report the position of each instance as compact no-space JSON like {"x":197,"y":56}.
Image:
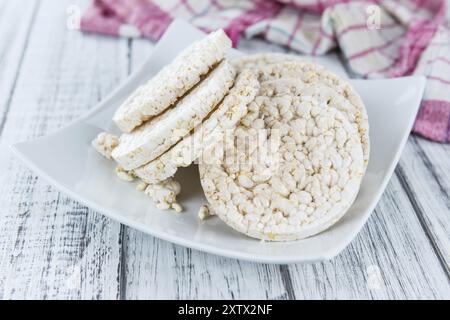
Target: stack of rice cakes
{"x":293,"y":139}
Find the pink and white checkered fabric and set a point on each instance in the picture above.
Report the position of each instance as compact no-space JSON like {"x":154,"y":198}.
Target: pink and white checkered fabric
{"x":379,"y":38}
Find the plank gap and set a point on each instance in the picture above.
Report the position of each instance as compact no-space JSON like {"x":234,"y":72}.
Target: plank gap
{"x":129,"y":54}
{"x":287,"y":282}
{"x":123,"y":263}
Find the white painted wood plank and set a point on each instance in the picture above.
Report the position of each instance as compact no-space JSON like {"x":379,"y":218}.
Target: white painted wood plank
{"x":424,"y":171}
{"x":391,"y":258}
{"x":50,"y":246}
{"x":15,"y":22}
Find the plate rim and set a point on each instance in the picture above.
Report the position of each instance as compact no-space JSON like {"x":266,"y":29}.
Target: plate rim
{"x":327,"y":254}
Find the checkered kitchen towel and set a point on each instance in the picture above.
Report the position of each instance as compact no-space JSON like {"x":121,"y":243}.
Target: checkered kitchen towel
{"x":379,"y":38}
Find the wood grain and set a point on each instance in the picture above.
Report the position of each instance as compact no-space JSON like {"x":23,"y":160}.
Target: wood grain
{"x":426,"y":179}
{"x":52,"y":247}
{"x":391,"y":258}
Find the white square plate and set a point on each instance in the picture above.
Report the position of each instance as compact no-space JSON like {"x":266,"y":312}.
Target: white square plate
{"x":67,"y":160}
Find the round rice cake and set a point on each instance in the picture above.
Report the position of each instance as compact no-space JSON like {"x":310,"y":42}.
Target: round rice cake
{"x":209,"y":132}
{"x":157,"y":135}
{"x":275,"y":66}
{"x":292,"y":167}
{"x":173,"y":81}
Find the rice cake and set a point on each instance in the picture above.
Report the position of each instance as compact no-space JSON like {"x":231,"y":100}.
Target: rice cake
{"x":301,"y":188}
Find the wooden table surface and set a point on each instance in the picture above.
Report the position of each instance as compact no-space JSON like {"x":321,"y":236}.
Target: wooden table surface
{"x":53,"y":247}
